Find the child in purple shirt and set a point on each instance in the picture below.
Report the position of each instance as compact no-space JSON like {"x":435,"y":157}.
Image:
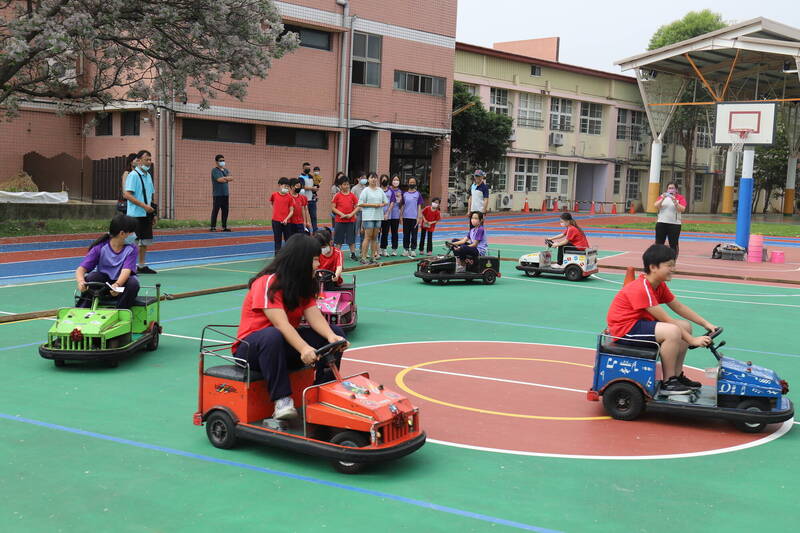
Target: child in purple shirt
{"x":411,"y":211}
{"x":112,"y":260}
{"x":473,"y":245}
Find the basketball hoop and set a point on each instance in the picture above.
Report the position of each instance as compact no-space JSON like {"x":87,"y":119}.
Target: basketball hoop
{"x":738,"y":143}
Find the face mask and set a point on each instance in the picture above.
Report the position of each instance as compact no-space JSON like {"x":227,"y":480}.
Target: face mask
{"x":130,"y":239}
{"x":284,"y":190}
{"x":326,"y":250}
{"x":395,"y":183}
{"x":145,"y":167}
{"x":435,"y":205}
{"x":412,"y":186}
{"x":316,"y":172}
{"x":221,"y":163}
{"x":298,"y":189}
{"x":363,"y":181}
{"x":306,"y":171}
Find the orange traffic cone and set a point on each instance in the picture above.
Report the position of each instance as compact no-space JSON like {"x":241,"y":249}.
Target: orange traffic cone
{"x":555,"y":205}
{"x":630,"y":275}
{"x":632,"y":210}
{"x":600,"y":207}
{"x":577,"y":207}
{"x":591,"y":209}
{"x":526,"y":208}
{"x":614,"y":208}
{"x":544,"y":205}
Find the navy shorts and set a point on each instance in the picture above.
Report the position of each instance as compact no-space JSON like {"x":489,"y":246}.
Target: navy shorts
{"x":643,"y":330}
{"x":344,"y":233}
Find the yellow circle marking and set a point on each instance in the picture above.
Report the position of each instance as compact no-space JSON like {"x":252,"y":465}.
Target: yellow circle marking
{"x":400,"y":381}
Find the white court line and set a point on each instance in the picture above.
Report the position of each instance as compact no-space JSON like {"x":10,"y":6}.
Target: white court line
{"x":610,"y":256}
{"x":760,"y":271}
{"x":797,"y":294}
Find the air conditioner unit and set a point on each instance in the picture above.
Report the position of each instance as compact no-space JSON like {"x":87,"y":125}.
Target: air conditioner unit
{"x":504,"y":201}
{"x":556,"y":138}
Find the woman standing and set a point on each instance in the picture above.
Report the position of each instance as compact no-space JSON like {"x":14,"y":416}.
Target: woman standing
{"x":412,"y":213}
{"x":392,"y":222}
{"x":371,"y":201}
{"x":670,"y":205}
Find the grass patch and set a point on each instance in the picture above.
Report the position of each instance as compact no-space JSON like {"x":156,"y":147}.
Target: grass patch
{"x":18,"y":228}
{"x":774,"y":230}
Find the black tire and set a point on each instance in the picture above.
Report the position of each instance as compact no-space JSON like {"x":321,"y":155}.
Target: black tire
{"x":59,"y":362}
{"x":489,"y":277}
{"x":623,"y":401}
{"x":752,"y":405}
{"x":113,"y":363}
{"x":221,"y":430}
{"x":152,"y":344}
{"x":353,"y":440}
{"x":573,"y":273}
{"x":426,"y":280}
{"x":444,"y":281}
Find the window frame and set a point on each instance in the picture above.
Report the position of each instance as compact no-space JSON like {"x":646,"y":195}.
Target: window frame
{"x":536,"y":71}
{"x":560,"y":119}
{"x":402,"y":78}
{"x":591,"y":121}
{"x":299,"y":31}
{"x":218,"y":124}
{"x":632,"y":184}
{"x":617,"y":181}
{"x":698,"y":187}
{"x":500,"y":175}
{"x":558,"y":171}
{"x":529,"y":116}
{"x":274,"y":132}
{"x":495,"y":106}
{"x":107,"y":123}
{"x":130,"y":118}
{"x":366,"y":59}
{"x":529,"y":174}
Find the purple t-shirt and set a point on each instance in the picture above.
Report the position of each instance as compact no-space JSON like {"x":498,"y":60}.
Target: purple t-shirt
{"x":411,"y":200}
{"x":109,"y":262}
{"x":479,"y":235}
{"x":395,"y":195}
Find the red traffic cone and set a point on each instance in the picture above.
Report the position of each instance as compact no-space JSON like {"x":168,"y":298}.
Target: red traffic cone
{"x":591,"y":209}
{"x":544,"y":205}
{"x":577,"y":207}
{"x":614,"y":208}
{"x":555,"y":205}
{"x":630,"y":275}
{"x":526,"y":208}
{"x":632,"y":210}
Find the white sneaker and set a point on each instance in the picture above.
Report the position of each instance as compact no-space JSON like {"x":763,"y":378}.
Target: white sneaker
{"x":394,"y":252}
{"x":412,"y":253}
{"x":405,"y":253}
{"x":284,"y":409}
{"x":383,"y":252}
{"x":460,"y":269}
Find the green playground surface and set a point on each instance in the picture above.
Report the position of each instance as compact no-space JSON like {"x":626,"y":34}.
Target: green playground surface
{"x":113,"y":449}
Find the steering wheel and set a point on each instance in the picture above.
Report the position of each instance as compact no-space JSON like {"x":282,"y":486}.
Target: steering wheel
{"x":712,"y":335}
{"x":449,"y":245}
{"x":323,"y":275}
{"x":96,"y":288}
{"x":328,"y":351}
{"x":548,"y":242}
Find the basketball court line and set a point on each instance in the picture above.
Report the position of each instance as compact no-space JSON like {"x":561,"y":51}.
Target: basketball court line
{"x":795,"y":295}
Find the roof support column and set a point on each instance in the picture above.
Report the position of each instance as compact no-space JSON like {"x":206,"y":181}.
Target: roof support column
{"x":745,"y":198}
{"x":654,"y":184}
{"x":730,"y":180}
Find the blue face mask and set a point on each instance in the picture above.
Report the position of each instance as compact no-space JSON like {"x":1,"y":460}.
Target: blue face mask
{"x":130,"y":239}
{"x":363,"y":181}
{"x":145,"y":167}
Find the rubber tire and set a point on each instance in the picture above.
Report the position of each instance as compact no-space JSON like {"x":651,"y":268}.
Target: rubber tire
{"x":426,"y":280}
{"x":152,"y":344}
{"x":573,"y":273}
{"x":221,"y":430}
{"x":751,"y":405}
{"x":623,"y":401}
{"x":489,"y":277}
{"x":59,"y":362}
{"x":353,"y":440}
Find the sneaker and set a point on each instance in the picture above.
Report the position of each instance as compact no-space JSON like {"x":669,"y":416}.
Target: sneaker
{"x":364,"y":261}
{"x":412,"y":253}
{"x":689,"y":382}
{"x":226,"y":230}
{"x":460,"y":269}
{"x":405,"y":253}
{"x":674,"y":386}
{"x":284,"y":409}
{"x":145,"y":270}
{"x":383,"y":252}
{"x":353,"y":256}
{"x":212,"y":229}
{"x":394,"y":252}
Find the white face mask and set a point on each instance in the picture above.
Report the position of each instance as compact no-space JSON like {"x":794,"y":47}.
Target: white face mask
{"x":316,"y":172}
{"x":326,"y":250}
{"x":221,"y":163}
{"x":435,"y":205}
{"x":284,"y":190}
{"x":363,"y":181}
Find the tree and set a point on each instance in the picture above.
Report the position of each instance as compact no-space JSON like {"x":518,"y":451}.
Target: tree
{"x":769,"y":168}
{"x":480,"y":139}
{"x":688,"y":118}
{"x":79,"y":52}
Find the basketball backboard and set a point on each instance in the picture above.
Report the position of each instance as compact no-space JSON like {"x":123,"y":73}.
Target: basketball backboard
{"x":748,"y":123}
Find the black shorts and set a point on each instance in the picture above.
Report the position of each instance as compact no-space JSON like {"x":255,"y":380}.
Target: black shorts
{"x":144,"y":228}
{"x":643,"y":330}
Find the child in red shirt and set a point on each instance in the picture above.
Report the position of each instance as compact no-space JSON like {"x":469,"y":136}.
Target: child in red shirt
{"x":331,"y":257}
{"x":636,"y":316}
{"x":430,"y":216}
{"x":345,"y":207}
{"x":572,"y":236}
{"x":300,"y":218}
{"x":282,"y":210}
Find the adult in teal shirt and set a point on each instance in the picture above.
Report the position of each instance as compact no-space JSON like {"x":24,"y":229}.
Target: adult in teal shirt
{"x":139,"y":192}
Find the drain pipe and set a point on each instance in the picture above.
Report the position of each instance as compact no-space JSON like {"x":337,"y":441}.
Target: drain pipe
{"x":349,"y":96}
{"x":346,"y":52}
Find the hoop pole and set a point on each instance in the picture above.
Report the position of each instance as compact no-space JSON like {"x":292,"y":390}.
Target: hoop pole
{"x":730,"y":180}
{"x":791,"y":180}
{"x":654,"y":183}
{"x":745,"y":198}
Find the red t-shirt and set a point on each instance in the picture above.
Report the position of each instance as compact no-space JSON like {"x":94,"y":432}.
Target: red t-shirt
{"x":280,"y":205}
{"x":300,"y":201}
{"x":431,"y":215}
{"x":346,"y":203}
{"x":331,"y":262}
{"x":256,"y":300}
{"x":577,"y":238}
{"x":629,"y":305}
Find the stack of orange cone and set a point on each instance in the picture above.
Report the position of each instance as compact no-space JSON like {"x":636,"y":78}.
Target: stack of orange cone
{"x":614,"y":208}
{"x":526,"y":208}
{"x":630,"y":275}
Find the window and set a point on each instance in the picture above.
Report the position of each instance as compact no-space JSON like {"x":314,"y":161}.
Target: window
{"x":561,"y":114}
{"x":679,"y":180}
{"x":366,"y":59}
{"x":591,"y":118}
{"x":617,"y":178}
{"x":105,"y":124}
{"x":557,"y":177}
{"x":530,"y":111}
{"x":526,"y":175}
{"x":622,"y":124}
{"x":130,"y":123}
{"x":637,"y":125}
{"x":214,"y":130}
{"x":536,"y":70}
{"x":699,"y":180}
{"x":309,"y":38}
{"x":630,"y":124}
{"x":472,"y":89}
{"x":418,"y":83}
{"x":296,"y":137}
{"x":632,"y":184}
{"x":703,"y":137}
{"x":498,"y":101}
{"x":499,"y":178}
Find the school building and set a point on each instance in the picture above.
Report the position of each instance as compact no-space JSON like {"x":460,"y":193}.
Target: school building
{"x":369,"y":88}
{"x":579,"y":134}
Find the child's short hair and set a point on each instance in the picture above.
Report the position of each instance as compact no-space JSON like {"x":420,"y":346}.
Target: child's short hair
{"x":657,"y":254}
{"x":342,"y":179}
{"x":323,"y":236}
{"x":283,"y":181}
{"x":293,"y":182}
{"x":437,"y":199}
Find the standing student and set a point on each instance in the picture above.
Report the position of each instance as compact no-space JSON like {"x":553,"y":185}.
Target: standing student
{"x":479,"y":192}
{"x":330,"y":257}
{"x":475,"y":243}
{"x":282,"y":211}
{"x":670,"y":205}
{"x":299,"y":221}
{"x":395,"y":195}
{"x":345,"y":206}
{"x":360,"y":185}
{"x":371,"y":202}
{"x":139,"y":191}
{"x":387,"y":210}
{"x":280,"y":295}
{"x":572,"y":236}
{"x":430,"y":216}
{"x":412,"y":214}
{"x":334,"y":190}
{"x":220,"y":177}
{"x":112,"y":260}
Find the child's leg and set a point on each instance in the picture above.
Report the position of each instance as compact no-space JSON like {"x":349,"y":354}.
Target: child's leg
{"x":395,"y":225}
{"x":422,"y":233}
{"x":277,"y":234}
{"x":560,"y":259}
{"x":686,"y":326}
{"x":673,"y":348}
{"x":430,"y":241}
{"x":673,"y":233}
{"x":408,"y":223}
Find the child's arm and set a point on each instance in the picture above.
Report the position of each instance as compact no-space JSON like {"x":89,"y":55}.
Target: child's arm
{"x":688,"y":313}
{"x":124,"y":274}
{"x":306,"y":217}
{"x":289,"y":216}
{"x":80,"y":278}
{"x":662,"y":316}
